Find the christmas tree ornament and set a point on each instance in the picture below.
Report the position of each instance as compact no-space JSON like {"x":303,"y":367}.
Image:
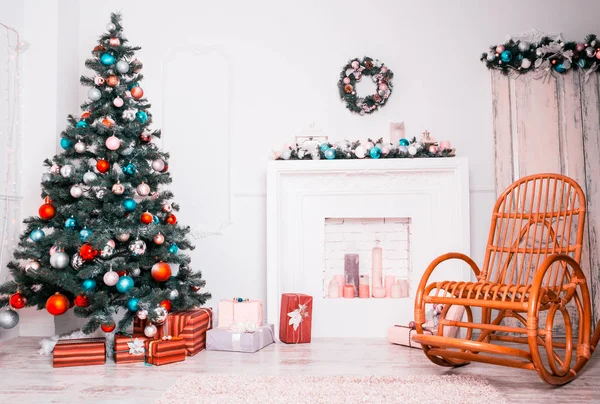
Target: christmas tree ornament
{"x":143,"y":189}
{"x":286,"y":155}
{"x":129,"y":169}
{"x":59,"y":260}
{"x":110,"y":278}
{"x":17,"y":300}
{"x":94,"y":94}
{"x":590,"y":52}
{"x":122,"y":66}
{"x":112,"y":143}
{"x":86,"y":115}
{"x":103,"y":166}
{"x":118,"y":188}
{"x":167,"y":208}
{"x":525,"y":63}
{"x":100,"y":192}
{"x":173,"y":248}
{"x":108,"y":122}
{"x":433,"y":149}
{"x":166,"y":304}
{"x":108,"y":327}
{"x":81,"y":301}
{"x":135,"y":272}
{"x":107,"y":59}
{"x":141,"y":116}
{"x":161,"y":272}
{"x":8,"y":319}
{"x":111,"y":27}
{"x":137,"y":247}
{"x":155,"y":219}
{"x":47,"y":210}
{"x":125,"y":284}
{"x":137,"y":66}
{"x":375,"y":152}
{"x":123,"y":237}
{"x":150,"y":330}
{"x":88,"y":284}
{"x":137,"y":92}
{"x":112,"y":81}
{"x":173,"y":294}
{"x":146,"y":137}
{"x":55,"y":169}
{"x":523,"y":46}
{"x":159,"y":239}
{"x":142,"y":314}
{"x":37,"y":235}
{"x":66,"y":171}
{"x":330,"y":154}
{"x":360,"y":152}
{"x":171,"y":219}
{"x":32,"y":266}
{"x":146,"y":218}
{"x":80,"y":147}
{"x":84,"y":234}
{"x":114,"y":42}
{"x":65,"y":143}
{"x":76,"y":261}
{"x":88,"y":252}
{"x":129,"y":204}
{"x":160,"y":315}
{"x":99,"y":80}
{"x":76,"y":191}
{"x":581,"y":63}
{"x":89,"y":177}
{"x":129,"y":115}
{"x":70,"y":223}
{"x":158,"y":165}
{"x":57,"y":304}
{"x":560,"y":68}
{"x":412,"y":150}
{"x":53,"y":250}
{"x":133,"y":304}
{"x":118,"y":102}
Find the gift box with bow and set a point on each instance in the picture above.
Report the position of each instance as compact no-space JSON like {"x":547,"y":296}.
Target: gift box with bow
{"x":240,"y":338}
{"x":295,"y":318}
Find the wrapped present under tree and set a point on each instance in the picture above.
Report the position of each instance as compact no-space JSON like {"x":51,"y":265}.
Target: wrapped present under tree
{"x":79,"y":352}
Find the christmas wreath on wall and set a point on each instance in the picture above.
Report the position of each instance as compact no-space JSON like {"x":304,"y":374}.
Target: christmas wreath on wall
{"x":353,"y":73}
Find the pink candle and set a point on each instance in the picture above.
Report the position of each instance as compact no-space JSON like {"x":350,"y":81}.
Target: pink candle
{"x":389,"y":281}
{"x":377,"y":258}
{"x":334,"y":290}
{"x":404,"y":287}
{"x":378,"y":291}
{"x":349,"y":291}
{"x":363,"y":291}
{"x":340,"y":281}
{"x":445,"y":145}
{"x":396,"y":292}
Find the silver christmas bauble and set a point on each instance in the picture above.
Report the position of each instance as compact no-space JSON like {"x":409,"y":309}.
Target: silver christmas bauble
{"x":94,"y":94}
{"x":491,"y":57}
{"x":111,"y":278}
{"x":150,"y":330}
{"x":80,"y":147}
{"x":122,"y":66}
{"x":523,"y":46}
{"x":174,"y":294}
{"x":66,"y":171}
{"x":76,"y":191}
{"x":412,"y":150}
{"x":403,"y":149}
{"x":142,"y":314}
{"x":160,"y":315}
{"x":46,"y":177}
{"x":135,"y":272}
{"x":107,"y":251}
{"x":76,"y":261}
{"x":158,"y":165}
{"x":590,"y":51}
{"x":287,"y":154}
{"x":122,"y":237}
{"x":59,"y":260}
{"x":89,"y":177}
{"x":143,"y":189}
{"x":8,"y":319}
{"x":137,"y":247}
{"x":110,"y":26}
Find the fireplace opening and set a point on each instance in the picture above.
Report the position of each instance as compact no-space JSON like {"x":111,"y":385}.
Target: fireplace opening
{"x":367,"y":258}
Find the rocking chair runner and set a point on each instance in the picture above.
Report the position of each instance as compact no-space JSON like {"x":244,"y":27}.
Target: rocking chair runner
{"x":530,"y":273}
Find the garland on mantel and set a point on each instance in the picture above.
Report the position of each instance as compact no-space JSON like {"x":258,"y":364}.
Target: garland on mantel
{"x":544,"y":57}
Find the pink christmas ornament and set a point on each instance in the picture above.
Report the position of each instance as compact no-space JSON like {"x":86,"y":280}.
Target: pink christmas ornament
{"x":369,"y":145}
{"x":167,"y":208}
{"x":154,"y":196}
{"x":598,"y":54}
{"x":111,"y":243}
{"x":114,"y":42}
{"x":383,"y":87}
{"x":384,"y":69}
{"x":143,"y":189}
{"x":385,"y":150}
{"x":158,"y":165}
{"x":98,"y":80}
{"x":433,"y":149}
{"x":113,"y":143}
{"x":499,"y":49}
{"x":580,"y":47}
{"x":55,"y":169}
{"x":355,"y":64}
{"x":118,"y":102}
{"x":346,"y":80}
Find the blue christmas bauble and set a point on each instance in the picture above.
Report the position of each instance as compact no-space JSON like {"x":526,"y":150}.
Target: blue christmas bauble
{"x":324,"y":146}
{"x":375,"y":152}
{"x":65,"y":143}
{"x":173,"y":249}
{"x":82,"y":124}
{"x":125,"y":284}
{"x":581,"y":63}
{"x":155,"y":220}
{"x":330,"y":154}
{"x":70,"y":223}
{"x":404,"y":142}
{"x":37,"y":235}
{"x":559,"y":68}
{"x":141,"y":116}
{"x":506,"y":56}
{"x":129,"y":205}
{"x":133,"y":304}
{"x":129,"y":169}
{"x":88,"y":284}
{"x":107,"y":59}
{"x":239,"y":299}
{"x":84,"y":234}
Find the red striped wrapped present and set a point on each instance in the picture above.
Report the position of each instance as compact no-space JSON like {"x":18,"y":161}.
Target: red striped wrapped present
{"x":130,"y":348}
{"x":79,"y":352}
{"x":163,"y":352}
{"x":139,"y":325}
{"x":190,"y":325}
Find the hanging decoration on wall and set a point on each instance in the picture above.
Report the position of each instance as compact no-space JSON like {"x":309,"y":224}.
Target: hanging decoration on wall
{"x":353,"y":72}
{"x":544,"y":57}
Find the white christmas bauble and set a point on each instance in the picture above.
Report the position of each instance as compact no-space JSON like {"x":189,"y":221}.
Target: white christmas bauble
{"x":412,"y":150}
{"x":118,"y":188}
{"x":525,"y":63}
{"x":32,"y":266}
{"x":360,"y":152}
{"x":150,"y":330}
{"x":123,"y":237}
{"x":80,"y":147}
{"x":590,"y":51}
{"x":301,"y":154}
{"x":118,"y":102}
{"x":523,"y":46}
{"x":539,"y":53}
{"x":59,"y":260}
{"x":143,"y":189}
{"x":403,"y":149}
{"x":76,"y":191}
{"x":111,"y":278}
{"x":112,"y":142}
{"x":129,"y":114}
{"x":94,"y":94}
{"x":110,"y":26}
{"x":286,"y":155}
{"x":89,"y":177}
{"x":122,"y":66}
{"x":66,"y":171}
{"x":491,"y":57}
{"x":158,"y":165}
{"x":174,"y":294}
{"x":135,"y":272}
{"x":137,"y":247}
{"x":142,"y":314}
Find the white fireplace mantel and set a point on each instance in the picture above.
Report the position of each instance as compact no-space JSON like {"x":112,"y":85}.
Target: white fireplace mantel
{"x":432,"y":192}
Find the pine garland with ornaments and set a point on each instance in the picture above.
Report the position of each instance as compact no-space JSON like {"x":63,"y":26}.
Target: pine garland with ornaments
{"x":106,"y":236}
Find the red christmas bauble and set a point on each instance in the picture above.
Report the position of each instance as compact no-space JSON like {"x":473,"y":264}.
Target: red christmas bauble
{"x":107,"y":122}
{"x":161,"y":272}
{"x":108,"y":327}
{"x":57,"y":304}
{"x":165,"y":169}
{"x":99,"y":48}
{"x":47,"y":211}
{"x":81,"y":301}
{"x":166,"y":304}
{"x":103,"y":166}
{"x":146,"y":218}
{"x":171,"y":219}
{"x":87,"y":252}
{"x":18,"y":301}
{"x":112,"y":81}
{"x":122,"y":273}
{"x":146,"y":137}
{"x":137,"y":92}
{"x":85,"y":115}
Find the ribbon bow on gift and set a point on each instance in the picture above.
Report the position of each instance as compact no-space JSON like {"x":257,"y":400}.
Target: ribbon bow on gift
{"x":136,"y":347}
{"x":297,"y":316}
{"x":242,"y":327}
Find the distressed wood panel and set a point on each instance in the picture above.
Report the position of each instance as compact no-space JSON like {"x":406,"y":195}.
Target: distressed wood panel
{"x":502,"y":131}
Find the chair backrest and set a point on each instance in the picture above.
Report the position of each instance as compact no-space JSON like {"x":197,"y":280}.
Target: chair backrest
{"x":535,"y":217}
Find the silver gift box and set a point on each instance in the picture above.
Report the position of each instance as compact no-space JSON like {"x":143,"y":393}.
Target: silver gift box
{"x":223,"y":339}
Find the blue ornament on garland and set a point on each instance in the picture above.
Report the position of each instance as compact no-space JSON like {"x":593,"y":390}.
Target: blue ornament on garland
{"x":330,"y":154}
{"x":141,"y":116}
{"x":581,"y":63}
{"x":239,"y":299}
{"x":324,"y":146}
{"x":84,"y":234}
{"x":82,"y":124}
{"x":133,"y":304}
{"x":559,"y":68}
{"x":375,"y":152}
{"x":173,"y":249}
{"x":70,"y":223}
{"x":37,"y":235}
{"x":125,"y":284}
{"x":129,"y":205}
{"x":88,"y":284}
{"x":155,"y":219}
{"x":107,"y":59}
{"x":129,"y":169}
{"x":506,"y":56}
{"x":404,"y":142}
{"x":65,"y":143}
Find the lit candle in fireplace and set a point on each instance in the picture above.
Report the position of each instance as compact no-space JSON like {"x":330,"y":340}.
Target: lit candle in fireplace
{"x":377,"y":258}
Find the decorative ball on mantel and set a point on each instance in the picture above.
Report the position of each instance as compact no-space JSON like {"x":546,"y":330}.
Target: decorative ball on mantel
{"x":360,"y":152}
{"x":375,"y":152}
{"x":329,"y":153}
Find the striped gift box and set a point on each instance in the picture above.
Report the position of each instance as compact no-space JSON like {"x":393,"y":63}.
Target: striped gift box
{"x":190,"y":325}
{"x":163,"y":352}
{"x":122,"y":351}
{"x":79,"y":352}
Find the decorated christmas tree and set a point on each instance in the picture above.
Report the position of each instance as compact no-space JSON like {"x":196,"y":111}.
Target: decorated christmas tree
{"x":106,"y":237}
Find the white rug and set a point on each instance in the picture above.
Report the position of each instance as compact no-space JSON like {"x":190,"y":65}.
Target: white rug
{"x":224,"y":389}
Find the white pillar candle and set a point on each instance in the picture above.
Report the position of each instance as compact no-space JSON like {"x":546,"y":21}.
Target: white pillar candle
{"x":395,"y":291}
{"x":404,"y":287}
{"x":390,"y":280}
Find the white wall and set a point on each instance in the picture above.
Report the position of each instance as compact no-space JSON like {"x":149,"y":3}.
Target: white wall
{"x":278,"y":63}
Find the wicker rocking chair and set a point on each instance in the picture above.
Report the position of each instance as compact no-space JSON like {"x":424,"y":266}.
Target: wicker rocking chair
{"x":530,"y":274}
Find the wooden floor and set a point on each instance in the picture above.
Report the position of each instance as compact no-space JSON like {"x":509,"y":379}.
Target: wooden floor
{"x":26,"y":377}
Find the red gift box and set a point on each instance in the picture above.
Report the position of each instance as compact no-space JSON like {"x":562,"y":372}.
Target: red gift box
{"x":295,"y":319}
{"x":79,"y":352}
{"x":163,"y":352}
{"x":123,"y":353}
{"x":190,"y":325}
